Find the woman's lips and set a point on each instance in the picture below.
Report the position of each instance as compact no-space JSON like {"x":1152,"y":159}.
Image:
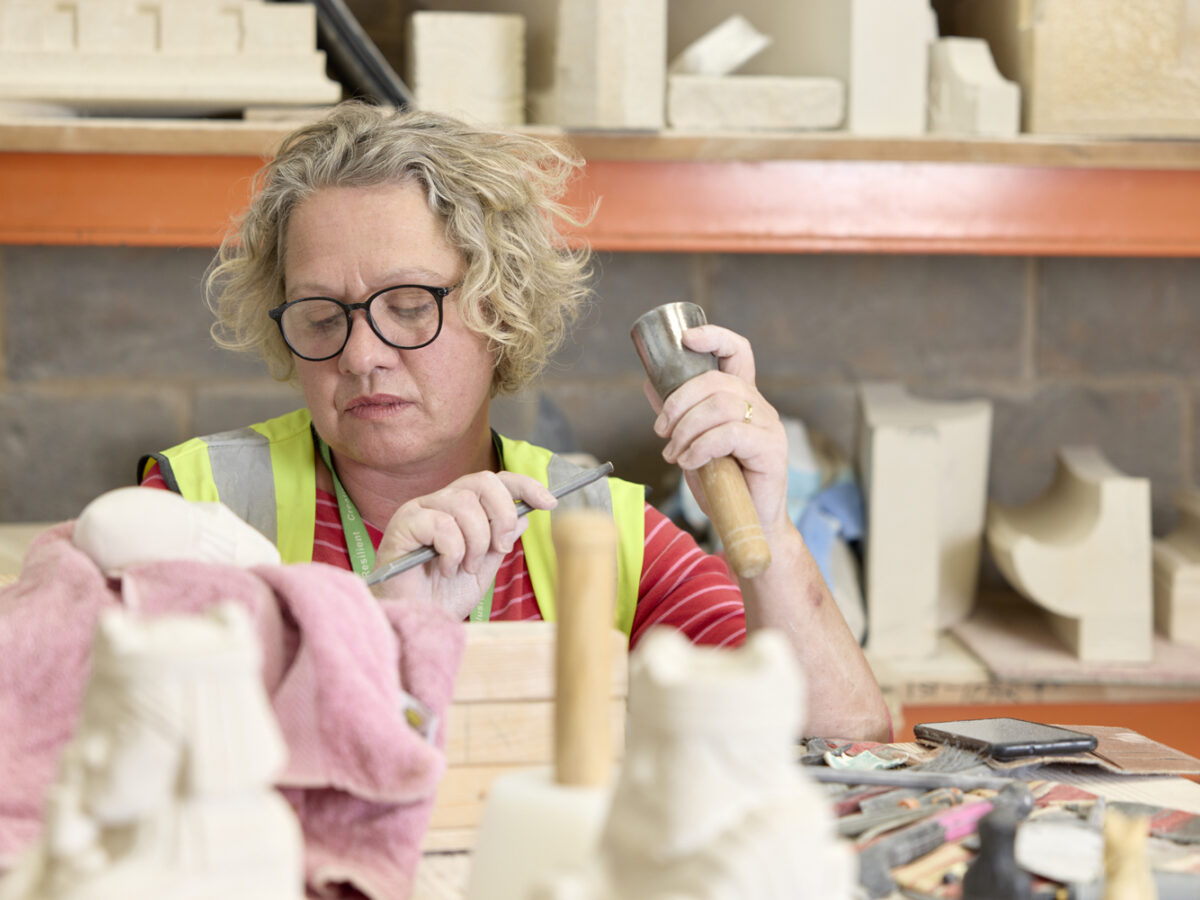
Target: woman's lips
{"x":377,"y":406}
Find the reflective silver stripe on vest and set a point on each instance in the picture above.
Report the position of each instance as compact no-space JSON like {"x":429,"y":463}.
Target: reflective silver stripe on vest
{"x":592,"y":496}
{"x":241,"y":467}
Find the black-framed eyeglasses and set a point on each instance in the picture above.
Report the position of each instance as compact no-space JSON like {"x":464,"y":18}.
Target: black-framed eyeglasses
{"x":404,"y":316}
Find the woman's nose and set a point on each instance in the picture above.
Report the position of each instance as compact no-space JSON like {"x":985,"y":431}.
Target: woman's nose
{"x":364,"y":351}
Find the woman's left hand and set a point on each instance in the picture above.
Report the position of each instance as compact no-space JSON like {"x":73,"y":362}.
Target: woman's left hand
{"x":721,"y":413}
{"x":472,"y":523}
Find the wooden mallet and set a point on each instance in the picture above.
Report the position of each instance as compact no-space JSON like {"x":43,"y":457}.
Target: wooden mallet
{"x":658,"y":336}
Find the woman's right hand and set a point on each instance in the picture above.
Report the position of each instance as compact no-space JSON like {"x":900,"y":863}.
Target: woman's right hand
{"x":472,"y":523}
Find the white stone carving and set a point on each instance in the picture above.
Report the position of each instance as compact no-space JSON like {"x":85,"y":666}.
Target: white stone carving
{"x":1082,"y":552}
{"x":468,"y":64}
{"x":610,"y":65}
{"x":753,"y":102}
{"x":709,"y":802}
{"x":967,"y":94}
{"x":923,"y":467}
{"x":113,"y":531}
{"x":161,"y":56}
{"x":1177,"y":575}
{"x":165,"y":789}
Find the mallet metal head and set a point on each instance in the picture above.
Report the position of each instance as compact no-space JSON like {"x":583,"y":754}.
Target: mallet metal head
{"x":658,"y":337}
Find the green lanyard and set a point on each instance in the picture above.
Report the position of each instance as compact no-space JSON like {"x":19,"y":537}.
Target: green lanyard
{"x":358,"y":541}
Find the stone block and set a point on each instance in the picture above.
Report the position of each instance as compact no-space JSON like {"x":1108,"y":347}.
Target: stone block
{"x":26,"y":25}
{"x":469,"y":64}
{"x":1177,"y":575}
{"x":201,"y":28}
{"x":967,"y":94}
{"x":898,"y":474}
{"x":1095,"y":67}
{"x":1082,"y":552}
{"x":721,"y":51}
{"x":114,"y":27}
{"x":287,"y":28}
{"x":610,"y":64}
{"x":923,"y":466}
{"x":753,"y":102}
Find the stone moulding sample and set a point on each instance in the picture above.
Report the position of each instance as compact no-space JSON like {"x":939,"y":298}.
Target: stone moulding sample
{"x":1177,"y":575}
{"x":1082,"y":552}
{"x":161,"y":58}
{"x":923,"y":466}
{"x":967,"y":94}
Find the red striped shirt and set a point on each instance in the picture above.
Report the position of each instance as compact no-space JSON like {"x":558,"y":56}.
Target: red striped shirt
{"x":681,"y":586}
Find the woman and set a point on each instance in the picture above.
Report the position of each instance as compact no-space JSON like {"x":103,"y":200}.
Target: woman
{"x":404,"y":268}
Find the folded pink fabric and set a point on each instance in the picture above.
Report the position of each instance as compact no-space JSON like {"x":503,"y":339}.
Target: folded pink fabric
{"x":361,"y":780}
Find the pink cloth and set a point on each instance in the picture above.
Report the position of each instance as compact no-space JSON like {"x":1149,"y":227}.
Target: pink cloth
{"x":361,"y":780}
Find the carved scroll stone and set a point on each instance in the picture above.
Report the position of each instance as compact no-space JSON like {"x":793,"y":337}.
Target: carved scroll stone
{"x":1082,"y":552}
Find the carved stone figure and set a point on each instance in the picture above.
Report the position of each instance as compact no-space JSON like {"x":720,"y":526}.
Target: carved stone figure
{"x":165,"y":789}
{"x":710,"y":802}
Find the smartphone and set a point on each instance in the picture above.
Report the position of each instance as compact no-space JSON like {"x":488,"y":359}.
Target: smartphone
{"x":1005,"y":739}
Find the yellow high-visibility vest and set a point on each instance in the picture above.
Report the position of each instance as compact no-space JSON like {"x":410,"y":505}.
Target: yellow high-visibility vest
{"x":266,"y":474}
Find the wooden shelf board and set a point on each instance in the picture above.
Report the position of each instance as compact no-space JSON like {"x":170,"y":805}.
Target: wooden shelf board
{"x":260,"y":136}
{"x":178,"y":183}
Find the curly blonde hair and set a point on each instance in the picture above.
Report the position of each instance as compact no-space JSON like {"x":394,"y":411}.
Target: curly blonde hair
{"x":496,"y":192}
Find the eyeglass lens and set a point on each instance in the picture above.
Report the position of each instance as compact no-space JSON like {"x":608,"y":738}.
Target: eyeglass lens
{"x":403,"y":316}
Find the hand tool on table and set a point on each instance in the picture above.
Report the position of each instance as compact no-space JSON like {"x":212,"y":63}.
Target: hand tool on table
{"x":537,"y":821}
{"x":658,"y":335}
{"x":423,"y":554}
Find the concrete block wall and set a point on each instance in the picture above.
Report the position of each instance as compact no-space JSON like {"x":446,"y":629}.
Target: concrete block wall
{"x":105,"y":355}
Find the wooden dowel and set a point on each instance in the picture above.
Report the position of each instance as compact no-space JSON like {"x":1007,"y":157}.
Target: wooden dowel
{"x":586,"y":545}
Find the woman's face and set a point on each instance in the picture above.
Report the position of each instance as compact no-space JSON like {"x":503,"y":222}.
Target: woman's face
{"x":385,"y":408}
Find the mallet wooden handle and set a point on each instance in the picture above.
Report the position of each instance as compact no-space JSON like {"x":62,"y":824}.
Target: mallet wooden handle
{"x":585,"y":542}
{"x":732,"y":513}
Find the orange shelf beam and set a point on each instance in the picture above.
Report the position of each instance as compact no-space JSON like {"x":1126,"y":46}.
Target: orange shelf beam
{"x":668,"y":206}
